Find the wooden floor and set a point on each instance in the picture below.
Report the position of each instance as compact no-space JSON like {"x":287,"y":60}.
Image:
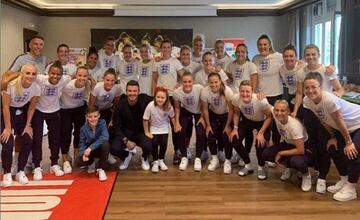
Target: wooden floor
{"x":175,"y":194}
{"x":187,"y":194}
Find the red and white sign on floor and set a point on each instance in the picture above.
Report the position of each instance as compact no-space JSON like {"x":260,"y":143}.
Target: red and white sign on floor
{"x":74,"y":196}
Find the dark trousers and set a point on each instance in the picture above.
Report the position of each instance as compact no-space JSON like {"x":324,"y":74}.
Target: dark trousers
{"x":159,"y":145}
{"x":71,"y":119}
{"x":275,"y":133}
{"x":247,"y":126}
{"x":102,"y":153}
{"x":53,"y":122}
{"x":186,"y":122}
{"x":106,"y":114}
{"x":353,"y":166}
{"x":318,"y":137}
{"x":297,"y":162}
{"x":18,"y":117}
{"x":174,"y":135}
{"x":217,"y":123}
{"x":117,"y":147}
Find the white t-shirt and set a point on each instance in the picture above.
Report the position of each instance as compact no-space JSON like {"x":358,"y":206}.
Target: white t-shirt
{"x":68,"y":69}
{"x":189,"y":101}
{"x":145,"y":73}
{"x":268,"y":73}
{"x":97,"y":73}
{"x":106,"y":62}
{"x":217,"y":104}
{"x":167,"y":73}
{"x":192,"y":68}
{"x":224,"y":62}
{"x":291,"y":77}
{"x":201,"y":77}
{"x":326,"y":78}
{"x":158,"y":118}
{"x":104,"y":99}
{"x":240,"y":73}
{"x":27,"y":93}
{"x":71,"y":96}
{"x":254,"y":110}
{"x":197,"y":59}
{"x":127,"y":70}
{"x":329,"y":104}
{"x":292,"y":130}
{"x":49,"y":101}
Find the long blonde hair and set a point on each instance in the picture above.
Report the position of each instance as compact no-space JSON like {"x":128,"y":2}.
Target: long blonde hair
{"x":17,"y":81}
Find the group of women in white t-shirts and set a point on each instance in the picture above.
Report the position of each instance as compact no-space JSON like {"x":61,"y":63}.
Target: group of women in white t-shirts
{"x":224,"y":99}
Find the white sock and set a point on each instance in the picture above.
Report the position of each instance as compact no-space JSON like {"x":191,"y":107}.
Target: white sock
{"x":247,"y":166}
{"x":343,"y":178}
{"x":260,"y":168}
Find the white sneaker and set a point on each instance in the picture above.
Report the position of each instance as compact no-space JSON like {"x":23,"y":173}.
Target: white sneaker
{"x":145,"y":164}
{"x":321,"y":186}
{"x":270,"y":164}
{"x":347,"y":193}
{"x":183,"y":164}
{"x":339,"y":185}
{"x":91,"y":168}
{"x":37,"y":174}
{"x":227,"y":167}
{"x":111,"y":159}
{"x":245,"y":171}
{"x":56,"y":169}
{"x":155,"y":166}
{"x":287,"y":174}
{"x":261,"y":174}
{"x":125,"y":164}
{"x":197,"y":164}
{"x":204,"y":156}
{"x":188,"y":153}
{"x":214,"y":163}
{"x":306,"y":183}
{"x":221,"y":155}
{"x":162,"y":165}
{"x":235,"y":157}
{"x":102,"y":175}
{"x":241,"y":162}
{"x":21,"y":178}
{"x":7,"y":180}
{"x":67,"y":167}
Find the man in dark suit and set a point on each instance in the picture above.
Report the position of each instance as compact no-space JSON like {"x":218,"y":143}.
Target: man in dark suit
{"x":128,"y":126}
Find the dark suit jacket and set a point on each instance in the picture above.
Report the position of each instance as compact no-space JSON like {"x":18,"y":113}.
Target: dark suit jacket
{"x":123,"y":123}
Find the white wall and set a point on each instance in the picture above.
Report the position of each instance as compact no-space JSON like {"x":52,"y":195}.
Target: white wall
{"x":76,"y":31}
{"x":12,"y":23}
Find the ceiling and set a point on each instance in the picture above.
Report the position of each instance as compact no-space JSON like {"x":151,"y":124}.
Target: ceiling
{"x":146,"y":8}
{"x":113,"y":4}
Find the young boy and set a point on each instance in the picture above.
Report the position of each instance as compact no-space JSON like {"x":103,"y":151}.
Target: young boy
{"x":94,"y":141}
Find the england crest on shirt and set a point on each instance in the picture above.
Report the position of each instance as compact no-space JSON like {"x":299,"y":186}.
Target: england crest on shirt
{"x":23,"y":98}
{"x":282,"y":132}
{"x":106,"y":97}
{"x":264,"y":65}
{"x":50,"y":91}
{"x":248,"y":110}
{"x":239,"y":73}
{"x":65,"y":71}
{"x":290,"y":79}
{"x":164,"y":68}
{"x":216,"y":101}
{"x":78,"y":95}
{"x":144,"y":71}
{"x":108,"y":63}
{"x":321,"y":114}
{"x":129,"y":69}
{"x":189,"y":100}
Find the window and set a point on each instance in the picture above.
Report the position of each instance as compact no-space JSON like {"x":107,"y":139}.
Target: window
{"x":337,"y":24}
